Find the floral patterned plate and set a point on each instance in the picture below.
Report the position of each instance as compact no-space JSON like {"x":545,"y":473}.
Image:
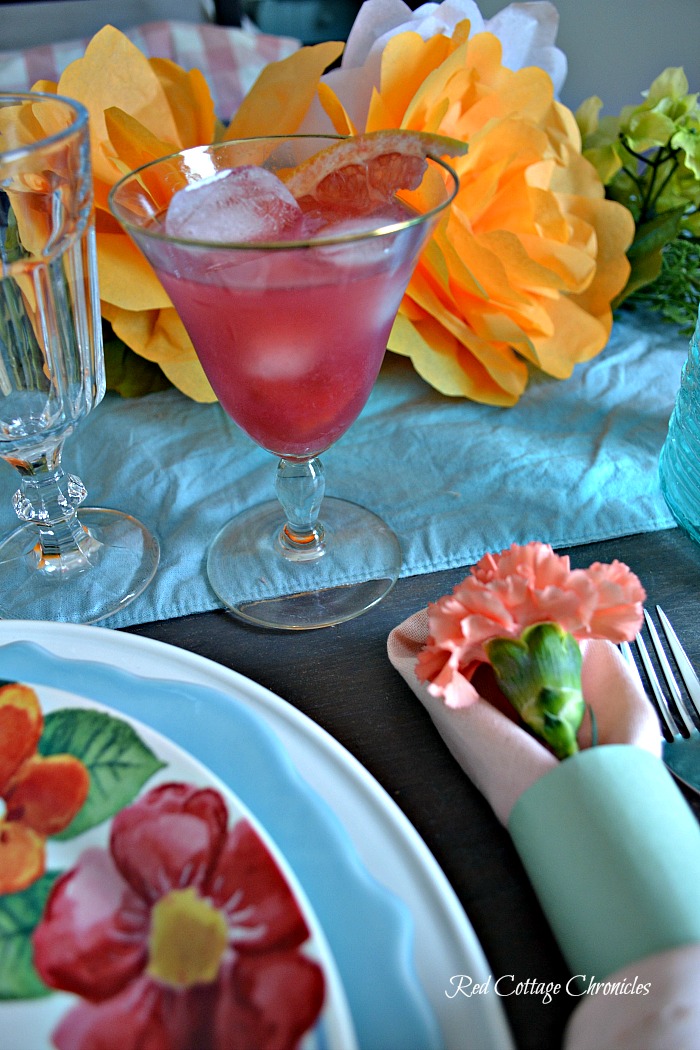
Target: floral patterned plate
{"x":394,"y":925}
{"x":141,"y":901}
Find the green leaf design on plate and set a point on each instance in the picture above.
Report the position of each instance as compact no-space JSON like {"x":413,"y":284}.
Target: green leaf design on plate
{"x":118,"y":761}
{"x":19,"y":914}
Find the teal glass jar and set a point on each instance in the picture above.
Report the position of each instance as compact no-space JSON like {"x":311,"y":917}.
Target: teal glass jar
{"x":679,"y":464}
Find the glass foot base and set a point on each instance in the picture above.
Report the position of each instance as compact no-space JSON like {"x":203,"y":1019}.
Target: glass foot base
{"x":256,"y":581}
{"x":117,"y":562}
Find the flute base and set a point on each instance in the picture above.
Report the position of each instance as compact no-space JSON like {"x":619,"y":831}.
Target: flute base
{"x":262,"y":584}
{"x":113,"y":565}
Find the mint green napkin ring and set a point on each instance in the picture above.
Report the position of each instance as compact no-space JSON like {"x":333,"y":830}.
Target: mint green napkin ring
{"x":612,"y":850}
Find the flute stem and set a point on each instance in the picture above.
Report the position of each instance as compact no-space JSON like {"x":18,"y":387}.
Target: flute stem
{"x":300,"y":485}
{"x":47,"y":498}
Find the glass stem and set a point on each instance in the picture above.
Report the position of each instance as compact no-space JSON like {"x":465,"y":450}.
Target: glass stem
{"x":300,"y":485}
{"x":47,"y":498}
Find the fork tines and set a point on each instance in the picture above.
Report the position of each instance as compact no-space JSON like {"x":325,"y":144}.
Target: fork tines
{"x":685,"y":668}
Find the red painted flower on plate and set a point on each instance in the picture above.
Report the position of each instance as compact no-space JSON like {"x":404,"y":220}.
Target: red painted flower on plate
{"x":183,"y":936}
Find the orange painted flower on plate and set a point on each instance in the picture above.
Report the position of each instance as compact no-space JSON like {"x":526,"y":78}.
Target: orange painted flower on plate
{"x":39,"y":796}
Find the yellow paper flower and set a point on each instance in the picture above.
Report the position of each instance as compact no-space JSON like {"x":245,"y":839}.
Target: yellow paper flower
{"x":526,"y":265}
{"x":139,"y":109}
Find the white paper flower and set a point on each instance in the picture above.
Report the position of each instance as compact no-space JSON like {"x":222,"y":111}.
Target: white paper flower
{"x":526,"y":32}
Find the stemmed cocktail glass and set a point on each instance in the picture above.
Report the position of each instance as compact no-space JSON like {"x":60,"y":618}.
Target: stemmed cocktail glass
{"x":58,"y":564}
{"x":290,"y":319}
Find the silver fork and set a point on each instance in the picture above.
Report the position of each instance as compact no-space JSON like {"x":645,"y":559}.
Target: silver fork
{"x":681,"y":747}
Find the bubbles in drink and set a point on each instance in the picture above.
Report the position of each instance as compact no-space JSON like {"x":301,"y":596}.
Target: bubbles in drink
{"x":246,"y":204}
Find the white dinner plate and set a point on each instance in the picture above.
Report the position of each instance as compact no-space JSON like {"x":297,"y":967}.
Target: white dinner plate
{"x":395,"y":928}
{"x":30,"y":1021}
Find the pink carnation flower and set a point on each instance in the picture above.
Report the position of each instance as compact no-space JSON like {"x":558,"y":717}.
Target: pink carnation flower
{"x":183,"y":936}
{"x":507,"y":592}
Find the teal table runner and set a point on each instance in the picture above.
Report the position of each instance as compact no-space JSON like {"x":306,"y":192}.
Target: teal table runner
{"x":573,"y":462}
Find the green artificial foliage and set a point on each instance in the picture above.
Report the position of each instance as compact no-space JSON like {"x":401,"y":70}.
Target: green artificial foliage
{"x":648,"y":159}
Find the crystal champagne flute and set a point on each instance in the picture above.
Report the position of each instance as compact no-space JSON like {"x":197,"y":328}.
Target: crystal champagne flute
{"x":289,"y":310}
{"x":59,"y":564}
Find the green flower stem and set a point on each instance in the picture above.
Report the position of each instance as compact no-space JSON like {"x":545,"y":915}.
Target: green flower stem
{"x":540,"y":674}
{"x":648,"y":195}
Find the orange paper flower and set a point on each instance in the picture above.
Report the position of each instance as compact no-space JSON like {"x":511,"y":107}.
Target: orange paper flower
{"x":39,"y":796}
{"x":531,"y":255}
{"x":525,"y":267}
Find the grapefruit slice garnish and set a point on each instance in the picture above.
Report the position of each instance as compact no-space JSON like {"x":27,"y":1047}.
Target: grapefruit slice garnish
{"x":358,"y":175}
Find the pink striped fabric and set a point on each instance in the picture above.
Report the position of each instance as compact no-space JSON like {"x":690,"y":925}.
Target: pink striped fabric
{"x":230,"y":59}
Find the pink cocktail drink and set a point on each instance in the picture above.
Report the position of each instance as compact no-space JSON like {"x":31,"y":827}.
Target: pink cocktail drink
{"x":292,"y":340}
{"x":286,"y":259}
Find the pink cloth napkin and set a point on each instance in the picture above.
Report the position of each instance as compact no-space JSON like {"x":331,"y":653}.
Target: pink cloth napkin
{"x":667,"y":1017}
{"x":500,"y":757}
{"x":503,"y":760}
